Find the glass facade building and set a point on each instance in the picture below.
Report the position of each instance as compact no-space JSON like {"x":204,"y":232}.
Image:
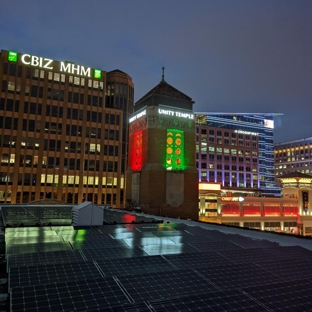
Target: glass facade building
{"x":236,"y":149}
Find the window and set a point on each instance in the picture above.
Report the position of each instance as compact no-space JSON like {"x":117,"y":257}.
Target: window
{"x":56,"y":77}
{"x":11,"y":86}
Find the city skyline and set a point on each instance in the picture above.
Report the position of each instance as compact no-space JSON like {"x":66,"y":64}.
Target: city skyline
{"x":243,"y":56}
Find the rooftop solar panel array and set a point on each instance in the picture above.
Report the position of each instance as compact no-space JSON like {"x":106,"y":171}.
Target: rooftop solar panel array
{"x":143,"y":266}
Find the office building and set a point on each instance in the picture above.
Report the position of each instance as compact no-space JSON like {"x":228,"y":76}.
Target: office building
{"x":293,"y":156}
{"x":236,"y":150}
{"x":63,"y":131}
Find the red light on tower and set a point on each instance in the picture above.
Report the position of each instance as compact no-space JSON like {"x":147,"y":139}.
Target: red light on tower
{"x":137,"y":151}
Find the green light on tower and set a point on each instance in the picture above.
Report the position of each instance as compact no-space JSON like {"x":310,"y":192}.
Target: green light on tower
{"x":97,"y":73}
{"x":175,"y":150}
{"x":12,"y":56}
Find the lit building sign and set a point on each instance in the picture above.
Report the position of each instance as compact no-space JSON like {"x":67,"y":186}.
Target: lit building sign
{"x":137,"y":116}
{"x":175,"y":150}
{"x":269,"y":123}
{"x":232,"y":199}
{"x":209,"y":186}
{"x":46,"y":63}
{"x":12,"y":56}
{"x":175,"y":113}
{"x":246,"y":132}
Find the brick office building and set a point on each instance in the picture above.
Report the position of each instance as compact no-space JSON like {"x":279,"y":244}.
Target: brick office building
{"x":63,"y":132}
{"x":162,"y":175}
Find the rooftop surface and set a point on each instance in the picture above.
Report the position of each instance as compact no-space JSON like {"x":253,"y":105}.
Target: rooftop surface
{"x":136,"y":262}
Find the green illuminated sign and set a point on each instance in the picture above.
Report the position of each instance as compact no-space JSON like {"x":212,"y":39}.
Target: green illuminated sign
{"x":175,"y":150}
{"x":97,"y":73}
{"x":12,"y":56}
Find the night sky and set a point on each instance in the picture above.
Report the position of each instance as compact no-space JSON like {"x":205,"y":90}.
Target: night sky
{"x":227,"y":55}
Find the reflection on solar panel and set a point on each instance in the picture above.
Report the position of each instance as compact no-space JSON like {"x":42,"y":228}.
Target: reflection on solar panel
{"x":33,"y":248}
{"x":152,"y":267}
{"x":112,"y":253}
{"x":36,"y":215}
{"x":43,"y":257}
{"x":120,"y":267}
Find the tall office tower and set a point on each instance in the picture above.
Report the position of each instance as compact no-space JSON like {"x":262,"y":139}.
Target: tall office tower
{"x":293,"y":156}
{"x":61,"y":136}
{"x":162,"y":175}
{"x":236,"y":149}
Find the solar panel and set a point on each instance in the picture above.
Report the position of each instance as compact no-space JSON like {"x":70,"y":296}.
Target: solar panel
{"x":139,"y":265}
{"x":151,"y":286}
{"x":99,"y":244}
{"x":236,"y":276}
{"x":289,"y":269}
{"x":246,"y":242}
{"x":33,"y":240}
{"x":167,"y":249}
{"x":285,"y":296}
{"x":204,"y":246}
{"x":152,"y":267}
{"x":29,"y":259}
{"x":197,"y":260}
{"x":52,"y":273}
{"x":69,"y":296}
{"x":41,"y":247}
{"x":216,"y":301}
{"x":112,"y":253}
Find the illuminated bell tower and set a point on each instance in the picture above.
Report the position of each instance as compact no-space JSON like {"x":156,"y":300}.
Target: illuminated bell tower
{"x":162,"y":176}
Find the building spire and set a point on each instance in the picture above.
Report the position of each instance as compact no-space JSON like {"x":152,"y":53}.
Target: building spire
{"x":163,"y":74}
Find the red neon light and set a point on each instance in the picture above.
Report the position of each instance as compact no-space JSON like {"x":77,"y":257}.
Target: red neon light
{"x":137,"y":151}
{"x":290,"y":211}
{"x":271,"y":211}
{"x":252,"y":210}
{"x":230,"y":210}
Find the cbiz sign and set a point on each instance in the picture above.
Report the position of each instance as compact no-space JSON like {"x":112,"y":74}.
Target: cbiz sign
{"x":46,"y":63}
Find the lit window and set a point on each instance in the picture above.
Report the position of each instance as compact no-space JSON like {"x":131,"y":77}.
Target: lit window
{"x":11,"y":86}
{"x":95,"y":84}
{"x":77,"y":81}
{"x":56,"y":77}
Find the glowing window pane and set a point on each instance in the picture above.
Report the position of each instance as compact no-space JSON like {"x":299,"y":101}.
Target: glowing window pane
{"x":137,"y":159}
{"x":175,"y":150}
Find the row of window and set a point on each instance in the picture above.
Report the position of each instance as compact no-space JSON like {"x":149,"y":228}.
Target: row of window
{"x":228,"y":175}
{"x":70,"y":198}
{"x":226,"y":134}
{"x":227,"y":167}
{"x":36,"y":74}
{"x":49,"y":179}
{"x":227,"y":151}
{"x":73,"y":130}
{"x":54,"y":94}
{"x":227,"y":142}
{"x":54,"y":162}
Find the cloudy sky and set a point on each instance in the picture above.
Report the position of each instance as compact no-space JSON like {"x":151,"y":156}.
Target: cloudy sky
{"x":228,"y":55}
